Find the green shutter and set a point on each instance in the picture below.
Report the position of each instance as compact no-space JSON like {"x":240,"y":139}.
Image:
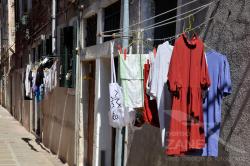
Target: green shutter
{"x":74,"y":54}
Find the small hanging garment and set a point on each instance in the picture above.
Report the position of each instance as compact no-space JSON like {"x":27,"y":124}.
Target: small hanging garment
{"x":131,"y":74}
{"x":27,"y":81}
{"x":219,"y":72}
{"x":54,"y":75}
{"x":150,"y":112}
{"x":187,"y":76}
{"x":39,"y":76}
{"x":118,"y":116}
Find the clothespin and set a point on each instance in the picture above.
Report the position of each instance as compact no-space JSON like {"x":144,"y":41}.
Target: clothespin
{"x":154,"y":52}
{"x":125,"y":53}
{"x":148,"y":61}
{"x":119,"y":48}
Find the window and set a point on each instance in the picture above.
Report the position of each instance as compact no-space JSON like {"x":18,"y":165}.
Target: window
{"x":16,"y":11}
{"x":168,"y":30}
{"x":91,"y":28}
{"x":49,"y":46}
{"x":40,"y":51}
{"x":112,"y":18}
{"x":33,"y":55}
{"x":68,"y":38}
{"x":25,"y":6}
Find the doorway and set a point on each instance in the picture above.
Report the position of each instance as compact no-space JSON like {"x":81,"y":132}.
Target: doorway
{"x":88,"y":99}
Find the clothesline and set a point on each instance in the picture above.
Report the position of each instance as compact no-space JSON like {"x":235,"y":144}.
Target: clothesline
{"x":176,"y":36}
{"x":164,"y":22}
{"x":156,"y":25}
{"x":115,"y":30}
{"x":114,"y":35}
{"x":164,"y":39}
{"x":163,"y":13}
{"x":167,"y":23}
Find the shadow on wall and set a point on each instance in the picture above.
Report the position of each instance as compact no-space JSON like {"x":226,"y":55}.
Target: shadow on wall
{"x":58,"y":123}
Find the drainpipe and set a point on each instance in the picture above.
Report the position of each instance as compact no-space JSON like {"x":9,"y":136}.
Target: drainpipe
{"x":125,"y":43}
{"x":53,"y":16}
{"x":121,"y":154}
{"x":79,"y":139}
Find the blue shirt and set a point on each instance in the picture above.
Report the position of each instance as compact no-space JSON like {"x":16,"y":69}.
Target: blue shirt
{"x":219,"y":73}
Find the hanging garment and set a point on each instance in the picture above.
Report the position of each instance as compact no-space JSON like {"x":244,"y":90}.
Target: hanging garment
{"x":219,"y":72}
{"x":54,"y":75}
{"x":131,"y":75}
{"x":27,"y":81}
{"x":151,"y":59}
{"x":39,"y":76}
{"x":34,"y":72}
{"x":150,"y":112}
{"x":47,"y":81}
{"x":158,"y":87}
{"x":187,"y":76}
{"x":30,"y":78}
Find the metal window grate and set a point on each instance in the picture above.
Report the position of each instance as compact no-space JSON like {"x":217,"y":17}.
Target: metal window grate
{"x":91,"y":28}
{"x":164,"y":31}
{"x":112,"y":18}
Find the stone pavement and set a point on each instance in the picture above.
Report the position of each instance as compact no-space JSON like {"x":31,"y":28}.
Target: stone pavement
{"x":18,"y":147}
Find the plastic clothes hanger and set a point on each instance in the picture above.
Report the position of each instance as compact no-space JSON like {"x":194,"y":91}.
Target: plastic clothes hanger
{"x":190,"y":25}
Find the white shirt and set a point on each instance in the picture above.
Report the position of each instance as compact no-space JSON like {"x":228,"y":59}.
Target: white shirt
{"x":27,"y":82}
{"x":159,"y":85}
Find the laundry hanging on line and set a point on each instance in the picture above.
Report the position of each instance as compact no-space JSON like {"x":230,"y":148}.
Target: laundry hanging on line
{"x":40,"y":79}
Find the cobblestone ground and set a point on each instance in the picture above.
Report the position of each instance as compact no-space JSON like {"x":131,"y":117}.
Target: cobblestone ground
{"x":19,"y":148}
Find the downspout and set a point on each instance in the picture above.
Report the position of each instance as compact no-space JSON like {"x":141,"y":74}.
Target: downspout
{"x":121,"y":154}
{"x":125,"y":43}
{"x":53,"y":17}
{"x":79,"y":150}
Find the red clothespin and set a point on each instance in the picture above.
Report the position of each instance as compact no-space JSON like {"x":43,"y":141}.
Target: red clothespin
{"x":125,"y":53}
{"x":148,"y":61}
{"x":154,"y":52}
{"x":119,"y":48}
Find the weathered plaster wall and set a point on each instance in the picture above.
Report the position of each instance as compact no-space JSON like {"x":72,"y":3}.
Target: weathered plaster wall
{"x":20,"y":108}
{"x":58,"y":110}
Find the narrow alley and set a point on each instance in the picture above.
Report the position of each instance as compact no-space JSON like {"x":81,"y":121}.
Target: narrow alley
{"x":18,"y":147}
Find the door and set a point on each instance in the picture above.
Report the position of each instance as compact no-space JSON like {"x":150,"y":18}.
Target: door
{"x":88,"y":99}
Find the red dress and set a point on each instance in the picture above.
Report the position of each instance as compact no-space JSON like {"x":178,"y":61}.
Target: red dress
{"x":187,"y":76}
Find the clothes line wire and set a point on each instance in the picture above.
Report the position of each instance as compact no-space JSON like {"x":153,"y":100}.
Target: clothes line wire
{"x":161,"y":39}
{"x":168,"y":11}
{"x":190,"y":11}
{"x":156,"y":25}
{"x":115,"y":35}
{"x":171,"y":22}
{"x":152,"y":27}
{"x":148,"y":19}
{"x":176,"y":36}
